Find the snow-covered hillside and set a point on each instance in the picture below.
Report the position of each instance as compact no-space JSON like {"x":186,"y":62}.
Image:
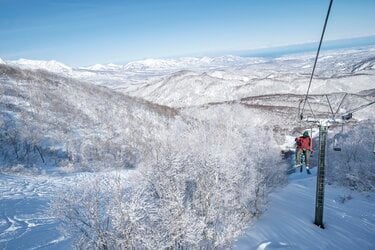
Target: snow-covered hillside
{"x":288,"y":222}
{"x":181,"y":153}
{"x":53,"y":124}
{"x":47,"y":119}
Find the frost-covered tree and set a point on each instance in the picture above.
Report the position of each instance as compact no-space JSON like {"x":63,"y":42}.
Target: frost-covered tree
{"x":203,"y":182}
{"x":354,"y":165}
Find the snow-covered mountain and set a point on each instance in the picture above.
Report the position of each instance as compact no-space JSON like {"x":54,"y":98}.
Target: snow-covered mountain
{"x":190,"y":81}
{"x":187,"y":81}
{"x":335,"y":73}
{"x":52,"y":66}
{"x":104,"y":67}
{"x":273,"y":85}
{"x":152,"y":64}
{"x":188,"y":63}
{"x":64,"y":120}
{"x":51,"y":123}
{"x":189,"y":147}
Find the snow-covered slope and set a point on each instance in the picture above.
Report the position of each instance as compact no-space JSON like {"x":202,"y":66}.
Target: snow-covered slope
{"x":52,"y":120}
{"x":288,"y":222}
{"x":48,"y":120}
{"x":24,"y":221}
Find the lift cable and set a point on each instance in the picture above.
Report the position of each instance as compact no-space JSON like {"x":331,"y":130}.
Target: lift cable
{"x":316,"y":58}
{"x":338,"y":108}
{"x":330,"y":107}
{"x":312,"y":112}
{"x":361,"y":107}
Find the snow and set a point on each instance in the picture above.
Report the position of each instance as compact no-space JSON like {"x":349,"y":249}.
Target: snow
{"x":349,"y":219}
{"x":103,"y":67}
{"x":181,"y":82}
{"x":174,"y":64}
{"x":226,"y":94}
{"x":25,"y":222}
{"x":287,"y":223}
{"x":185,"y":81}
{"x":289,"y":143}
{"x":53,"y":66}
{"x":184,"y":62}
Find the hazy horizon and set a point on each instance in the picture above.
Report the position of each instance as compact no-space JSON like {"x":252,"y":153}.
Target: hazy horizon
{"x":274,"y":51}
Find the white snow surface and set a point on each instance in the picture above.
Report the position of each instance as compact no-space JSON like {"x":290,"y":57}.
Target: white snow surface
{"x":25,"y":222}
{"x":288,"y":223}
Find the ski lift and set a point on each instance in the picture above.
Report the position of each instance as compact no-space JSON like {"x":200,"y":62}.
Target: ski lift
{"x":337,"y":140}
{"x":336,"y":143}
{"x":347,"y":116}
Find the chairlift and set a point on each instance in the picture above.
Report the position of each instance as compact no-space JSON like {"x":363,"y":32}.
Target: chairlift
{"x":347,"y":116}
{"x":337,"y":139}
{"x":337,"y":143}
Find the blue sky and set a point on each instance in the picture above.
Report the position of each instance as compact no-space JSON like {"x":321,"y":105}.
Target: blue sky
{"x":101,"y":31}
